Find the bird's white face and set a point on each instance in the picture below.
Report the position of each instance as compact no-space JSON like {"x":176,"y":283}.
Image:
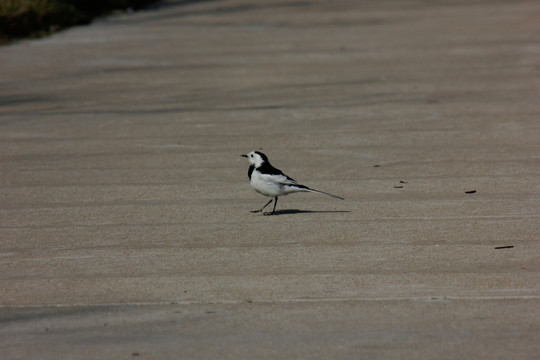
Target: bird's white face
{"x":254,"y":158}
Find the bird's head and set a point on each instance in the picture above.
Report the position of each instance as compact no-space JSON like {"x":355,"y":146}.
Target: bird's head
{"x":256,"y":158}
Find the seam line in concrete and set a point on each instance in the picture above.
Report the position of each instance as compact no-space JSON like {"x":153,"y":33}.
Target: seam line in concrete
{"x":282,"y":301}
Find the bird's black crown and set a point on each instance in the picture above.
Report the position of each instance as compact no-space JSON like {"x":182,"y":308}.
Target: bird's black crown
{"x":264,"y":157}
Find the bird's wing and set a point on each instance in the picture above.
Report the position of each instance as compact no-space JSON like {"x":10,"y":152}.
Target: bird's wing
{"x":289,"y":181}
{"x":271,"y":174}
{"x":279,"y":178}
{"x":276,"y":175}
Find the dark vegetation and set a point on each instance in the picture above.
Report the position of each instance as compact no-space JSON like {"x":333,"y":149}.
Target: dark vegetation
{"x":34,"y":18}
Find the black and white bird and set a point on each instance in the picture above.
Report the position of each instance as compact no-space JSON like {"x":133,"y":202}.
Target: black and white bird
{"x":269,"y":181}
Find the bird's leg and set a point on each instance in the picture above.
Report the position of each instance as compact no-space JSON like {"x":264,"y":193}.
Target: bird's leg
{"x":261,"y":209}
{"x":274,"y":210}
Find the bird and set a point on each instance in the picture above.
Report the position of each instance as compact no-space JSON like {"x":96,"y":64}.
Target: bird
{"x":272,"y":182}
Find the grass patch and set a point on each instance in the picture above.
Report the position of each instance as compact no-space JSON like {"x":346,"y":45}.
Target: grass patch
{"x":34,"y":18}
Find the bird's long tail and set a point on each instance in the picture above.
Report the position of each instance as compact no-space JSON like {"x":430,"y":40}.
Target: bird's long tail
{"x":322,"y":192}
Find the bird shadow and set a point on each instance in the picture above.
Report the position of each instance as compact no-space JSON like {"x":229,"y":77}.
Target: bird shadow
{"x":298,"y":211}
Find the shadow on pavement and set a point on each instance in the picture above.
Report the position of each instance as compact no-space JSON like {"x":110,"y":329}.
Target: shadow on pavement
{"x":298,"y":211}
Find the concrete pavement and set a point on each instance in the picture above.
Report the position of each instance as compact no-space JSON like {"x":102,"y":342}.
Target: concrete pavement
{"x":125,"y":228}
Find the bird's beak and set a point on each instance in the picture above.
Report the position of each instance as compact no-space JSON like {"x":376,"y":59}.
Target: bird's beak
{"x":243,"y":155}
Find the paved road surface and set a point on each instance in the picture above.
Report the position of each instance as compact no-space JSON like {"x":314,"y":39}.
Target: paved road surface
{"x":125,"y":227}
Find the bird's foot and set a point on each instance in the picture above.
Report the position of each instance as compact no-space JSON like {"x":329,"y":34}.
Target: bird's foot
{"x":269,"y":213}
{"x":256,"y":211}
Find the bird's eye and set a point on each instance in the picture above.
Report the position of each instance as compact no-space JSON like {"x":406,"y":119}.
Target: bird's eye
{"x":251,"y":155}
